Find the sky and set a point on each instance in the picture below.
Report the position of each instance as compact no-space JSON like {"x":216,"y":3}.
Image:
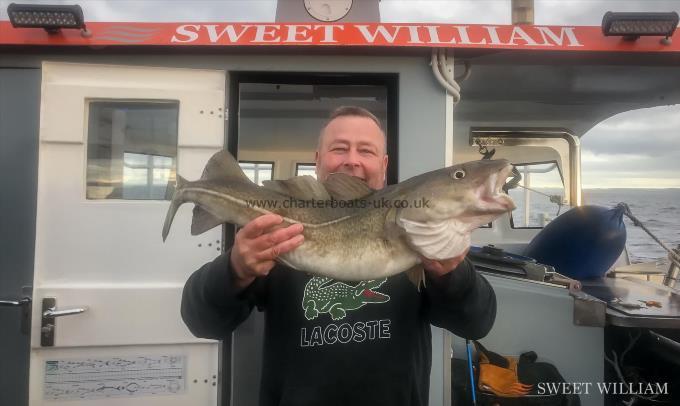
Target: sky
{"x":647,"y":140}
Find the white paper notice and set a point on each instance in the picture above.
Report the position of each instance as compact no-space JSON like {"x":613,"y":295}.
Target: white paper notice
{"x":94,"y":378}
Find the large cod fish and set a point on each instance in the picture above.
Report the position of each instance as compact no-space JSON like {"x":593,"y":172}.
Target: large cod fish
{"x":351,"y":231}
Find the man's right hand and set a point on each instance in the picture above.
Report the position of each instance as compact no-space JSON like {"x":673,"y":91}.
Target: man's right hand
{"x":257,"y":245}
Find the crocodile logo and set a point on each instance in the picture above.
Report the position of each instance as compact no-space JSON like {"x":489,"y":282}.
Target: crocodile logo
{"x":326,"y":295}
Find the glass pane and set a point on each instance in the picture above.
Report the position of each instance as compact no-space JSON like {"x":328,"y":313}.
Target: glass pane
{"x":305,"y":169}
{"x":258,"y":171}
{"x":131,"y":150}
{"x":538,"y":198}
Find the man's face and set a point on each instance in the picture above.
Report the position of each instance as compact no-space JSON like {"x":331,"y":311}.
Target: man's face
{"x":355,"y":146}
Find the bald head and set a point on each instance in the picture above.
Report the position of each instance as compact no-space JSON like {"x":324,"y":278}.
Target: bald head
{"x":353,"y":144}
{"x":352,"y":111}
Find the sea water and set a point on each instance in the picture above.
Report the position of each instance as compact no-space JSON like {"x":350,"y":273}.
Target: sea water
{"x":657,"y":209}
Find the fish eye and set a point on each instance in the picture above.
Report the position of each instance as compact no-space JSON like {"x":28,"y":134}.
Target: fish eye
{"x":458,"y":174}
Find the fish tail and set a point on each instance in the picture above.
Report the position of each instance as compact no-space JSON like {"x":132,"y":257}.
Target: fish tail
{"x":174,"y":205}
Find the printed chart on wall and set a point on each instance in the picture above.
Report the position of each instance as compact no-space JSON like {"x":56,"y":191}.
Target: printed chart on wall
{"x":91,"y":378}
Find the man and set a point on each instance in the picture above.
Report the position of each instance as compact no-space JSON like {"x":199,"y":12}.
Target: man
{"x":329,"y":342}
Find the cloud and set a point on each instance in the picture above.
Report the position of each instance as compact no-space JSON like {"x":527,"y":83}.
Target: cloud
{"x":423,"y":11}
{"x":651,"y":132}
{"x":547,"y":12}
{"x":168,"y":10}
{"x":639,"y":148}
{"x":590,"y":12}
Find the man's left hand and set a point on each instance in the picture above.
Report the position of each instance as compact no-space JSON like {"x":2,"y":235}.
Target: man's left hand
{"x":439,"y":268}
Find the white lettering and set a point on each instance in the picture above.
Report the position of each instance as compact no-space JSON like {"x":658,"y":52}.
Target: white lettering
{"x":329,"y":32}
{"x":344,"y":333}
{"x":465,"y":38}
{"x":330,"y":334}
{"x":493,"y":35}
{"x":604,"y":387}
{"x":433,"y":30}
{"x":553,"y":388}
{"x":304,"y":341}
{"x":229,"y":29}
{"x":294,"y":32}
{"x":359,"y":332}
{"x":184,"y":30}
{"x":548,"y":35}
{"x":268,"y":30}
{"x":316,"y":338}
{"x":413,"y":33}
{"x":518,"y":33}
{"x":371,"y":36}
{"x":371,"y":329}
{"x":384,"y":329}
{"x":662,"y":390}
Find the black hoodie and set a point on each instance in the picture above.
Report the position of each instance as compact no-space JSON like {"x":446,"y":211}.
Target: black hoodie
{"x":335,"y":343}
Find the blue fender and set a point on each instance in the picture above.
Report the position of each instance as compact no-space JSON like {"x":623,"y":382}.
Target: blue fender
{"x":582,"y":243}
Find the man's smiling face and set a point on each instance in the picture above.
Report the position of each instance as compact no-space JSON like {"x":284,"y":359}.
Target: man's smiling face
{"x":353,"y":145}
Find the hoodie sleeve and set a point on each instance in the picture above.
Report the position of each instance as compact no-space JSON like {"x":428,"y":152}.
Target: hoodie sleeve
{"x":211,"y":306}
{"x":461,"y":301}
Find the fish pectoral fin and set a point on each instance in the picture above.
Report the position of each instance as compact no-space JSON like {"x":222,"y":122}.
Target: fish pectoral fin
{"x":300,"y":187}
{"x":203,"y":221}
{"x":286,"y":263}
{"x":417,"y":276}
{"x":436,"y":240}
{"x":346,"y":187}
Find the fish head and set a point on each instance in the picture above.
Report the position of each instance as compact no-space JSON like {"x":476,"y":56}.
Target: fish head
{"x":446,"y":205}
{"x":471,"y":193}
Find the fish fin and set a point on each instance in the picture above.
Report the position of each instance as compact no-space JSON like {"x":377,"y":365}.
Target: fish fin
{"x":417,"y":276}
{"x":286,"y":263}
{"x":222,"y":165}
{"x":346,"y":187}
{"x":202,"y":221}
{"x":435,"y":239}
{"x":391,"y":229}
{"x":174,"y":205}
{"x":300,"y":187}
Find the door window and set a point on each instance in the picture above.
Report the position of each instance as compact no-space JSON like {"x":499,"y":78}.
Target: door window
{"x":131,"y":149}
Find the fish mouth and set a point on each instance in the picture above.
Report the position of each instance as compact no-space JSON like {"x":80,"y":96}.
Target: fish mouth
{"x":491,"y":195}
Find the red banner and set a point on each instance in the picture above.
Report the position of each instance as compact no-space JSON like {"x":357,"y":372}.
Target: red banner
{"x":525,"y":37}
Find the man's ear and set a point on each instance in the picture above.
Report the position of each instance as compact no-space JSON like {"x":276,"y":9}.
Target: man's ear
{"x":385,"y":162}
{"x":316,"y":162}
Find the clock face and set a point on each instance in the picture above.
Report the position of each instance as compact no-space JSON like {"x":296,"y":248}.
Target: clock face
{"x":328,"y":10}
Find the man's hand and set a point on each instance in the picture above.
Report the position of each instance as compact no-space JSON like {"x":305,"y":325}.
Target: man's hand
{"x":257,"y":245}
{"x":439,"y":268}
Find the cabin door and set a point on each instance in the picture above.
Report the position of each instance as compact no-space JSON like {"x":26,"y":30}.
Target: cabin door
{"x":106,"y":325}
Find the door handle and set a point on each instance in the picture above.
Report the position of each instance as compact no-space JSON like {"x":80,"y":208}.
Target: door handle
{"x":25,"y":305}
{"x":48,"y":319}
{"x":13,"y":303}
{"x":52,"y":312}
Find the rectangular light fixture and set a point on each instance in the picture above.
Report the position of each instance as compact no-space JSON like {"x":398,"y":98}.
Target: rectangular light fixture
{"x":52,"y":18}
{"x":634,"y":25}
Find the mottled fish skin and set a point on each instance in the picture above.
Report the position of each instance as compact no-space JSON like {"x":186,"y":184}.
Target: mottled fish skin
{"x":353,"y":244}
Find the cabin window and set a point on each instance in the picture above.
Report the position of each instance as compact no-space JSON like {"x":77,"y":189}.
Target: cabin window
{"x":258,"y":171}
{"x":302,"y":169}
{"x":131,"y":149}
{"x":540,"y":196}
